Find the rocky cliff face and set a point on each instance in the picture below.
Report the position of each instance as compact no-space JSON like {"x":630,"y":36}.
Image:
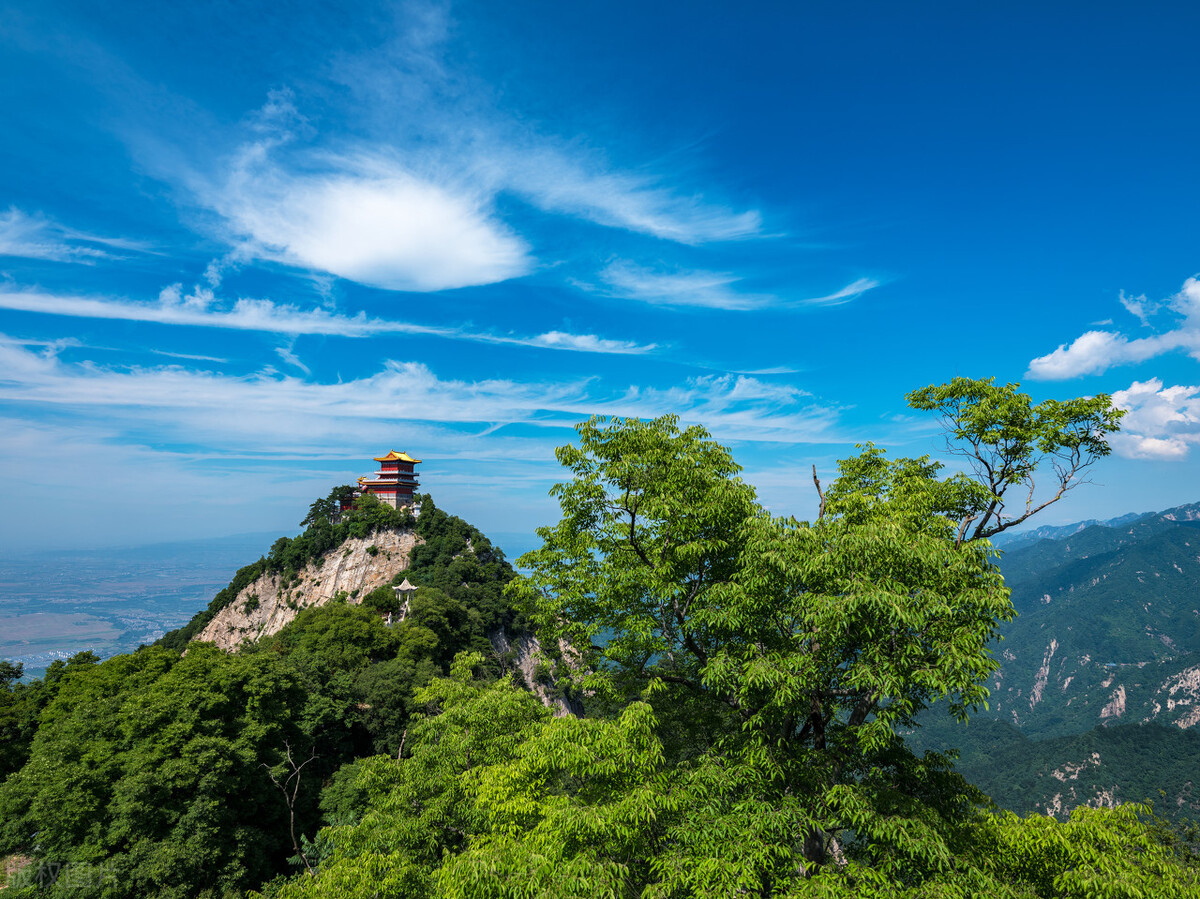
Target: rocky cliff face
{"x":536,"y":667}
{"x":355,"y":568}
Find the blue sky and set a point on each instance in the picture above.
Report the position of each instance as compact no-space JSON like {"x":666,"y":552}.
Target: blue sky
{"x":243,"y":249}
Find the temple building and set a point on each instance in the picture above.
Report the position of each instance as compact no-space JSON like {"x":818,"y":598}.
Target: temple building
{"x":395,"y":482}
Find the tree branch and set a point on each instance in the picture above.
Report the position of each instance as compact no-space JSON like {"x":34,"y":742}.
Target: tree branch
{"x":290,"y":799}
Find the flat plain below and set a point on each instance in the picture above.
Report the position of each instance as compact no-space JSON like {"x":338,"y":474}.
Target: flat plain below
{"x":54,"y":605}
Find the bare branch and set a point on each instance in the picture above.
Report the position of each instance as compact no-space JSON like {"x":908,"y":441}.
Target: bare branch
{"x":292,"y":782}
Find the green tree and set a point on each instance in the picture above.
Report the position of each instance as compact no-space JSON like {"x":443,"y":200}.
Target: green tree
{"x":495,"y":799}
{"x":800,"y":651}
{"x":750,"y":680}
{"x":1008,"y":442}
{"x":151,"y":767}
{"x":18,"y":717}
{"x":415,"y":813}
{"x":328,"y":509}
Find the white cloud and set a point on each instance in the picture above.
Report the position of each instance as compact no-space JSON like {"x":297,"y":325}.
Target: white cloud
{"x":773,"y":370}
{"x":197,"y":308}
{"x":413,"y":201}
{"x":550,"y":178}
{"x":415,"y":85}
{"x":1137,"y":306}
{"x":37,"y":237}
{"x":267,"y":410}
{"x":1096,"y":351}
{"x":1160,"y":422}
{"x":711,"y":290}
{"x":391,"y":217}
{"x":201,"y":308}
{"x":1090,"y":353}
{"x":194,"y":357}
{"x":588,"y":343}
{"x":151,"y":433}
{"x":851,"y":291}
{"x":287,"y":355}
{"x":734,"y":408}
{"x":370,"y":222}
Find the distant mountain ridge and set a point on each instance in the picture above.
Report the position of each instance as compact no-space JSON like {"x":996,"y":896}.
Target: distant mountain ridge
{"x":1108,"y":626}
{"x":1097,"y":699}
{"x":1010,"y":540}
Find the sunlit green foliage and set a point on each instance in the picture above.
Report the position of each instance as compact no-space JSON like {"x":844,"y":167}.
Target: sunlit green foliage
{"x":152,"y":766}
{"x":419,"y":810}
{"x":496,"y":799}
{"x":1098,"y":854}
{"x":750,"y":681}
{"x":161,"y":772}
{"x":1006,"y":441}
{"x":801,"y":648}
{"x":22,"y":703}
{"x":457,"y":559}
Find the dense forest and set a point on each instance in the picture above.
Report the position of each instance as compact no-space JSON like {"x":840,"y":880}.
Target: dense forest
{"x":1143,"y":762}
{"x":750,"y":684}
{"x":165,"y":773}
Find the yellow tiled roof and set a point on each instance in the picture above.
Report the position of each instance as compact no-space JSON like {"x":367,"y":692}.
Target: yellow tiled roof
{"x":394,"y":456}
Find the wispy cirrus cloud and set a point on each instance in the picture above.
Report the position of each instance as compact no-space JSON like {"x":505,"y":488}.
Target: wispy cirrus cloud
{"x":849,"y":293}
{"x":707,"y":289}
{"x":201,"y":308}
{"x":1160,"y":422}
{"x":255,"y":412}
{"x":1094,"y":352}
{"x":549,"y":177}
{"x":389,"y":217}
{"x":420,"y":198}
{"x":38,"y":237}
{"x":584,"y":343}
{"x":288,"y":355}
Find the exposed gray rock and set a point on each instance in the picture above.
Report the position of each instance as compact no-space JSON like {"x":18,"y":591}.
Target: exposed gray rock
{"x":528,"y":657}
{"x":265,"y":606}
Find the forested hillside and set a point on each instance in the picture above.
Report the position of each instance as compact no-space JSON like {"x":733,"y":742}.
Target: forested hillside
{"x":1054,"y":775}
{"x":1108,"y":627}
{"x":751,"y":685}
{"x":1097,"y":696}
{"x":164,"y":773}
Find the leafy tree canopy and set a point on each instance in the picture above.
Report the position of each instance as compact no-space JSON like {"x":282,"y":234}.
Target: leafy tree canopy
{"x":496,"y":799}
{"x":750,"y":680}
{"x":172,"y":774}
{"x":1008,"y":442}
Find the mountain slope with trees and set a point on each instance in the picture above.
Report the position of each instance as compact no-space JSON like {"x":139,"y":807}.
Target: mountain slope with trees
{"x":202,"y":773}
{"x":1108,"y":629}
{"x":1100,"y":767}
{"x":751,"y":681}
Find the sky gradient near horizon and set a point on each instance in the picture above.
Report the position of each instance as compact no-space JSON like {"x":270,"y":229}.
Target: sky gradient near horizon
{"x":246,"y":247}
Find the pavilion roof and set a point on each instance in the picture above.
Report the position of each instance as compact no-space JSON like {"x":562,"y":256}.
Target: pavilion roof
{"x":393,"y":456}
